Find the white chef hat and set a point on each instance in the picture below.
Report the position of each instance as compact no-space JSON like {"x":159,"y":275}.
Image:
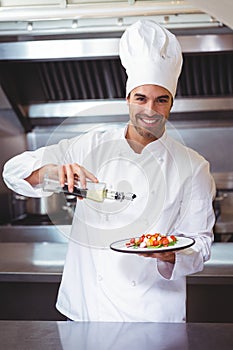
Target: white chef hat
{"x":151,"y":55}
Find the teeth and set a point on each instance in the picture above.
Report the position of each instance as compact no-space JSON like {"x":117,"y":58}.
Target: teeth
{"x":148,"y":121}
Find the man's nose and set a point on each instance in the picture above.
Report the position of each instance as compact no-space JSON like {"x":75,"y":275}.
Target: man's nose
{"x":150,"y":108}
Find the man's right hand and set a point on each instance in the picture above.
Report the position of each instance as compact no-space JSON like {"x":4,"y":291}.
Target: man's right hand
{"x":66,"y":173}
{"x":70,"y":172}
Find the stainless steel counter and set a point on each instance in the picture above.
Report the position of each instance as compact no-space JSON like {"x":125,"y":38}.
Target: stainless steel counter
{"x":30,"y":275}
{"x":219,"y":269}
{"x":34,"y":234}
{"x":37,"y":335}
{"x":43,"y":262}
{"x":32,"y":262}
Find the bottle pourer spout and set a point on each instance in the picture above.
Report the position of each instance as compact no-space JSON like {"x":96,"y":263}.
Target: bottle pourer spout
{"x":121,"y":196}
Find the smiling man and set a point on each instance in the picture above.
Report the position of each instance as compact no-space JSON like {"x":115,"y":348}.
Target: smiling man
{"x":174,"y":191}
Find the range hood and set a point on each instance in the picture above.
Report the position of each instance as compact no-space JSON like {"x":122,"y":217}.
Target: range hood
{"x":84,"y":78}
{"x":49,"y":75}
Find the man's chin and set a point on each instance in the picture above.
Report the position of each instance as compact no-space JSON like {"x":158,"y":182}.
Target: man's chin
{"x":149,"y":134}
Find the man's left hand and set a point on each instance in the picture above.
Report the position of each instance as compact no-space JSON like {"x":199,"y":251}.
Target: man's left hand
{"x":166,"y":256}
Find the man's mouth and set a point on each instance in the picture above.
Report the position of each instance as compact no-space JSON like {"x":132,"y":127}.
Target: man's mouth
{"x":150,"y":121}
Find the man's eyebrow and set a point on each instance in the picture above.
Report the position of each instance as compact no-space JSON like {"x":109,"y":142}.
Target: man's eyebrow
{"x":142,"y":95}
{"x":139,"y":95}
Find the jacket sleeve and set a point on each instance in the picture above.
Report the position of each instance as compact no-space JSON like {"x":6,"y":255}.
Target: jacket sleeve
{"x":196,"y":220}
{"x":22,"y":165}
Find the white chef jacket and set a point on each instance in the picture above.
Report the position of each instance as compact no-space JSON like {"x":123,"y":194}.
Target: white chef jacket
{"x":174,"y":191}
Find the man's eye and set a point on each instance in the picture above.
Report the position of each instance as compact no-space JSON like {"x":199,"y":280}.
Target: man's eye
{"x":163,"y":100}
{"x":140,"y":99}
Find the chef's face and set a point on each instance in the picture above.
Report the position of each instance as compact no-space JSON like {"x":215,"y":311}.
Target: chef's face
{"x":149,"y":107}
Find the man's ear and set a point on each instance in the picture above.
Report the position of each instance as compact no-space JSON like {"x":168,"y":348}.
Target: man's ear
{"x":127,"y":99}
{"x":172,"y":102}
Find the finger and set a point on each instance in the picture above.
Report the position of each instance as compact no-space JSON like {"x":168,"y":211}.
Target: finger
{"x":83,"y":175}
{"x":91,"y":176}
{"x":147,"y":255}
{"x":61,"y":175}
{"x":166,"y":256}
{"x":69,"y":176}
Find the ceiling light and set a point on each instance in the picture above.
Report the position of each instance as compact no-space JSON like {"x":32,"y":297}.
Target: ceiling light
{"x":120,"y":21}
{"x":29,"y":26}
{"x":74,"y":24}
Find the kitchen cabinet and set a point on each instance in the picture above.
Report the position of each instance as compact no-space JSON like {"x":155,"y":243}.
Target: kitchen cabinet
{"x":29,"y":301}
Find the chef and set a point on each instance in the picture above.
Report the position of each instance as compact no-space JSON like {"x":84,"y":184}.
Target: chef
{"x":172,"y":183}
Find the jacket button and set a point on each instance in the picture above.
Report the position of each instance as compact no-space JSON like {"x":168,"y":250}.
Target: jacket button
{"x":133,"y":283}
{"x":100,"y":278}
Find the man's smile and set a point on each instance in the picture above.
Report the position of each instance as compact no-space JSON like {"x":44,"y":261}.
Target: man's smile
{"x":148,"y":121}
